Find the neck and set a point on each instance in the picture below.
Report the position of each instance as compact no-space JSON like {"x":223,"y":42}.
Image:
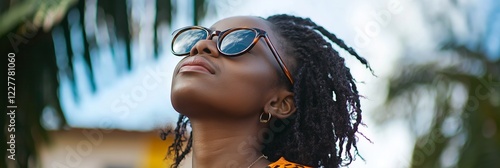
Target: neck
{"x":233,"y":143}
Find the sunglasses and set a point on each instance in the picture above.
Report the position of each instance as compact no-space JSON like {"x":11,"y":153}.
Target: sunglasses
{"x":231,"y":42}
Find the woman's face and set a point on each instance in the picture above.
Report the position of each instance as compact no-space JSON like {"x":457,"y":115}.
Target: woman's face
{"x":234,"y":87}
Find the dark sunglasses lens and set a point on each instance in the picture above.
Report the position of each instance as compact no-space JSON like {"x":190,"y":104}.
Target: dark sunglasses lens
{"x":237,"y":41}
{"x":185,"y":40}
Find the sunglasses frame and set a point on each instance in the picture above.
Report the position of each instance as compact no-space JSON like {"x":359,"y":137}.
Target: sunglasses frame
{"x":222,"y":34}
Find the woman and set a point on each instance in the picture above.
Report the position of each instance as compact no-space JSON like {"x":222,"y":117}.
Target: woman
{"x":257,"y":91}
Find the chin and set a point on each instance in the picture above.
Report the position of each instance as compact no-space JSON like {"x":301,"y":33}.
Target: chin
{"x":183,"y":97}
{"x":206,"y":98}
{"x":191,"y":100}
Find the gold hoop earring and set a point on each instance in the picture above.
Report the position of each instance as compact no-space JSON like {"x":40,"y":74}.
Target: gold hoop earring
{"x":265,"y":120}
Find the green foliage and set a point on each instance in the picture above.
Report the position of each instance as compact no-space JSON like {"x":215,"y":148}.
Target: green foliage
{"x":37,"y":12}
{"x":460,"y":90}
{"x":37,"y":75}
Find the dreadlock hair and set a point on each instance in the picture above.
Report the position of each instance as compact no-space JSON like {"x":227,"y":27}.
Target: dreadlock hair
{"x":322,"y":131}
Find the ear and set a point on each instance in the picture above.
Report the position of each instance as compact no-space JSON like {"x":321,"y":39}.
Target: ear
{"x":281,"y":105}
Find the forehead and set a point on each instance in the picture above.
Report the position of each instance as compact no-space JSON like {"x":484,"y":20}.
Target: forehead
{"x":249,"y":22}
{"x":242,"y":21}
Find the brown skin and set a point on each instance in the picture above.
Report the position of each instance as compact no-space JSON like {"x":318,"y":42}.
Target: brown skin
{"x":224,"y":106}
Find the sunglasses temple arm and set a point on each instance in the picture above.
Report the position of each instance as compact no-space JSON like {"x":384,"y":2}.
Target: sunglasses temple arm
{"x":278,"y":58}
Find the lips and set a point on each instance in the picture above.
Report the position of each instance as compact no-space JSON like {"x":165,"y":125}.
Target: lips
{"x":197,"y":63}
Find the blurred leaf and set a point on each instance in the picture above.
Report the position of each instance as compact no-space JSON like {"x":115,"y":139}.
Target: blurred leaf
{"x":35,"y":12}
{"x":38,"y":73}
{"x":435,"y":82}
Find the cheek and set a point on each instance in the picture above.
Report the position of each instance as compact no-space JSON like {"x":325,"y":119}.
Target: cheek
{"x":247,"y":84}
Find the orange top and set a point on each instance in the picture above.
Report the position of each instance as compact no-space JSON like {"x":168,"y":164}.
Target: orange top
{"x":283,"y":163}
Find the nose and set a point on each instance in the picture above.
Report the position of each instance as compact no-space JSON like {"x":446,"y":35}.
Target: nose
{"x":205,"y":47}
